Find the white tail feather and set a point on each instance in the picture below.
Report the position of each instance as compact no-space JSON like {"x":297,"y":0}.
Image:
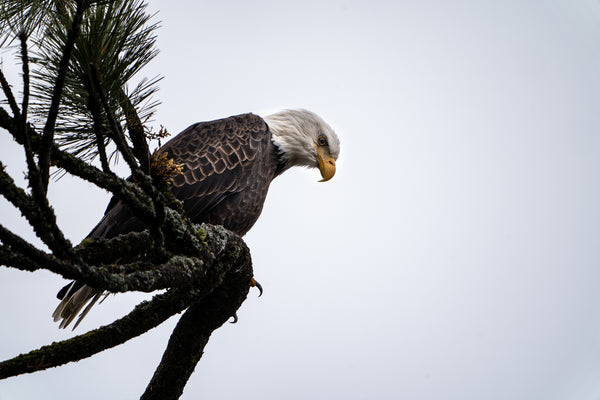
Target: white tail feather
{"x":72,"y":304}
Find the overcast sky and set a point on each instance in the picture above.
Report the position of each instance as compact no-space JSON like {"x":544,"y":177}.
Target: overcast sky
{"x":456,"y":253}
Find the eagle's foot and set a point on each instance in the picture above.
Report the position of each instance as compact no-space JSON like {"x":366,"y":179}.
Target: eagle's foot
{"x":254,"y":283}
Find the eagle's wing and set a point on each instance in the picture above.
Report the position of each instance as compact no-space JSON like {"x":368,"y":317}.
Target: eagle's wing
{"x":231,"y":158}
{"x":218,"y":159}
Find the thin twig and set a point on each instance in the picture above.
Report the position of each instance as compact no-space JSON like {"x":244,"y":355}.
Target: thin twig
{"x":99,"y":128}
{"x":9,"y":96}
{"x":63,"y":66}
{"x":101,"y":147}
{"x":39,"y":214}
{"x":118,"y":135}
{"x":143,"y":178}
{"x":136,"y":199}
{"x":125,"y":191}
{"x":33,"y":174}
{"x":25,"y":62}
{"x":136,"y":132}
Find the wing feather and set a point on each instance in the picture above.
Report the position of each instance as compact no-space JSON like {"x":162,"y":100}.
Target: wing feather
{"x":220,"y":159}
{"x":228,"y":165}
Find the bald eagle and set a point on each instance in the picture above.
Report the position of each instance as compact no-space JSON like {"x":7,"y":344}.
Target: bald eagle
{"x":228,"y":165}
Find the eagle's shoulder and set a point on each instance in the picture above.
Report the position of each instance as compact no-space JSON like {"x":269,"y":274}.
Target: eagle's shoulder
{"x":221,"y":158}
{"x":214,"y":146}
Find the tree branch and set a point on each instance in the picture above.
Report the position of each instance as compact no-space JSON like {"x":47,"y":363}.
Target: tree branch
{"x":136,"y":199}
{"x":17,"y":248}
{"x":99,"y":128}
{"x":206,"y":269}
{"x":117,"y":133}
{"x":136,"y":132}
{"x":48,"y":134}
{"x":141,"y":174}
{"x":219,"y":250}
{"x":231,"y":277}
{"x":218,"y":253}
{"x":125,"y":191}
{"x":39,"y":214}
{"x":144,"y":317}
{"x":13,"y":259}
{"x":9,"y":96}
{"x":25,"y":61}
{"x":33,"y":174}
{"x":187,"y":342}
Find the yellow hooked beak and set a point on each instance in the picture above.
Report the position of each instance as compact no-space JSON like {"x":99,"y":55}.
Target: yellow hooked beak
{"x":326,"y":166}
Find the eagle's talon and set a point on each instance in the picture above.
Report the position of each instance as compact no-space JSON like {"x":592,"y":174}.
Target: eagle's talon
{"x":254,"y":283}
{"x":235,"y":318}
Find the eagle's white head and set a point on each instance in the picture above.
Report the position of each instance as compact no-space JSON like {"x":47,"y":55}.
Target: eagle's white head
{"x":305,"y":139}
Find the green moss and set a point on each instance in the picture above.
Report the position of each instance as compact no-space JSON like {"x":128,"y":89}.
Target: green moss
{"x":201,"y":233}
{"x":85,"y":242}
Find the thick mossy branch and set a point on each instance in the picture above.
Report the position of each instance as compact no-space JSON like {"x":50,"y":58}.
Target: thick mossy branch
{"x":214,"y":255}
{"x":229,"y":271}
{"x":187,"y":342}
{"x":13,"y":259}
{"x":15,"y":247}
{"x":125,"y":264}
{"x":127,"y":248}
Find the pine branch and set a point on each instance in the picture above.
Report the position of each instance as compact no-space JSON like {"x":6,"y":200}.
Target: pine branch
{"x":119,"y":39}
{"x":136,"y":132}
{"x":17,"y":249}
{"x":16,"y":260}
{"x":142,"y":274}
{"x":79,"y":79}
{"x":38,"y":213}
{"x":48,"y":133}
{"x":117,"y":133}
{"x":100,"y":130}
{"x":25,"y":63}
{"x":28,"y":17}
{"x":33,"y":172}
{"x":9,"y":96}
{"x":123,"y":190}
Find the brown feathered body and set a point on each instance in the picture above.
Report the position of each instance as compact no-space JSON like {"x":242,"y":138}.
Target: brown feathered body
{"x":228,"y":165}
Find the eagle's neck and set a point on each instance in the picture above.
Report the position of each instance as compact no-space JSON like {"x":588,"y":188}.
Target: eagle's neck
{"x":282,"y":164}
{"x":294,"y":146}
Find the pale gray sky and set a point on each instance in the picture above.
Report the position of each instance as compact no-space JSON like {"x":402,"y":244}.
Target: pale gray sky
{"x":455,"y":255}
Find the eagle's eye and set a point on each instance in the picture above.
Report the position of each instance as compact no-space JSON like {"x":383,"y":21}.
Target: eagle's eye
{"x":322,"y":140}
